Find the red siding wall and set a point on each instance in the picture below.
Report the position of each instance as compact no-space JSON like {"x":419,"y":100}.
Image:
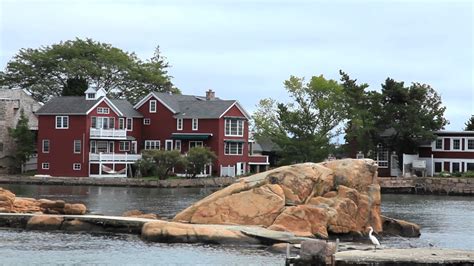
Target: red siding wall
{"x":61,"y":156}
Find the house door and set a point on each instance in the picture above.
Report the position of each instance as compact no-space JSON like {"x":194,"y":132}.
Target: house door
{"x":240,"y":168}
{"x":394,"y":169}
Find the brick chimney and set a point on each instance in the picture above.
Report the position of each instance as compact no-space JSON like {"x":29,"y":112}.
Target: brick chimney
{"x":210,"y":95}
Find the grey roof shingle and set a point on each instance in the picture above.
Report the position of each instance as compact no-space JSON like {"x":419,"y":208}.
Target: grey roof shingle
{"x":126,"y":108}
{"x":67,"y":105}
{"x":78,"y":105}
{"x":190,"y":106}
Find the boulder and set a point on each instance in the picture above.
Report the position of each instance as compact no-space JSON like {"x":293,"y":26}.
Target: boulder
{"x":6,"y":200}
{"x":44,"y":222}
{"x":76,"y":225}
{"x":303,"y":220}
{"x":51,"y":204}
{"x":308,"y":199}
{"x":258,"y":206}
{"x":162,"y":231}
{"x":399,"y":227}
{"x":140,"y":214}
{"x":75,"y":209}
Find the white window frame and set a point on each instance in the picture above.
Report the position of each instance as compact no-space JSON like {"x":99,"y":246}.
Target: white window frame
{"x":45,"y":166}
{"x":152,"y":145}
{"x":197,"y":143}
{"x":228,"y":127}
{"x":442,"y":145}
{"x":43,"y":145}
{"x":127,"y":124}
{"x":168,"y":141}
{"x":124,"y":145}
{"x":152,"y":104}
{"x":75,"y":167}
{"x":74,"y":146}
{"x":63,"y":119}
{"x":195,"y":123}
{"x":228,"y":148}
{"x":103,"y":110}
{"x":452,"y":144}
{"x":179,"y":124}
{"x":90,"y":96}
{"x":121,"y":124}
{"x":466,"y":148}
{"x":176,"y":145}
{"x":105,"y":122}
{"x":382,"y":152}
{"x":146,"y":121}
{"x":434,"y":166}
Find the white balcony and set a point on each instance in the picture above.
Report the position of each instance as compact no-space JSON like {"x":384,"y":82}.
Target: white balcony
{"x":100,"y":133}
{"x":114,"y":157}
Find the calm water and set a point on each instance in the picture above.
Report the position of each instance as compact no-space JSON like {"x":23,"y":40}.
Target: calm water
{"x":446,"y":222}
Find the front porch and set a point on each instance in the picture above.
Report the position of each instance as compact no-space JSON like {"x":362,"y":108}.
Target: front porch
{"x":111,"y":164}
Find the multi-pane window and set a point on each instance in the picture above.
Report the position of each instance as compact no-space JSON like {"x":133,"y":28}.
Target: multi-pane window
{"x":45,"y":166}
{"x":103,"y":110}
{"x":124,"y":146}
{"x":168,"y":144}
{"x":233,"y":148}
{"x":382,"y":156}
{"x":102,"y":122}
{"x":77,"y":146}
{"x":153,"y":106}
{"x":177,"y":145}
{"x":195,"y":124}
{"x":456,"y":167}
{"x":102,"y":146}
{"x":470,"y":144}
{"x":152,"y":144}
{"x":179,"y":124}
{"x":62,"y":122}
{"x":456,"y":144}
{"x":129,"y":124}
{"x":469,"y":166}
{"x":146,"y":121}
{"x":193,"y":144}
{"x":234,"y":127}
{"x":439,"y":144}
{"x":76,"y":166}
{"x":121,"y":124}
{"x":46,"y":145}
{"x":438,"y":167}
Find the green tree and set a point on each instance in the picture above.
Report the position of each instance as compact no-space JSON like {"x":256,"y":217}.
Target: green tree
{"x":304,"y":127}
{"x":412,"y":113}
{"x":198,"y":158}
{"x":24,"y":140}
{"x":166,"y":160}
{"x":470,"y":124}
{"x":362,"y":113}
{"x":61,"y":69}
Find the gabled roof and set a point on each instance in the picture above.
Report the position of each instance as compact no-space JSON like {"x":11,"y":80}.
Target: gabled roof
{"x":191,"y":106}
{"x":78,"y":105}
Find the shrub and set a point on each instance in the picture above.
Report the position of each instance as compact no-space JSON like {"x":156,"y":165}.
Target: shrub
{"x":197,"y":159}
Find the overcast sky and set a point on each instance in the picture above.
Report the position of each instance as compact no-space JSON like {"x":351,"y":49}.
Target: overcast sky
{"x":244,"y":50}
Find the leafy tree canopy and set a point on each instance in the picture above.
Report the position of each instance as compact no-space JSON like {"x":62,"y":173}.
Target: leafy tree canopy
{"x":69,"y":67}
{"x":198,"y":158}
{"x":24,"y":140}
{"x":470,"y":124}
{"x":302,"y":128}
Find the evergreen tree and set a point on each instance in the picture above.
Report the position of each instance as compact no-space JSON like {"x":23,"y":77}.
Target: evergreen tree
{"x":470,"y":124}
{"x":24,"y":140}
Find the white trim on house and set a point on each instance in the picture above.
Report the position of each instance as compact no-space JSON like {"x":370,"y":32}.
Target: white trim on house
{"x":239,"y":106}
{"x":62,"y":122}
{"x":109,"y":103}
{"x":179,"y":126}
{"x":152,"y":110}
{"x":42,"y":145}
{"x":197,"y":124}
{"x":451,"y":161}
{"x":151,"y":94}
{"x":433,"y":144}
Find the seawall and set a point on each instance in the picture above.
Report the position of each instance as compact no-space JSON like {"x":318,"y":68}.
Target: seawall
{"x":428,"y":185}
{"x":118,"y":182}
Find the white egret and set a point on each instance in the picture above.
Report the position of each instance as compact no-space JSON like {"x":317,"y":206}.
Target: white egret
{"x":374,"y":240}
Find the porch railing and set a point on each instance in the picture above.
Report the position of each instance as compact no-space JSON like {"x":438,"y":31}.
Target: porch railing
{"x":114,"y":157}
{"x":100,"y":133}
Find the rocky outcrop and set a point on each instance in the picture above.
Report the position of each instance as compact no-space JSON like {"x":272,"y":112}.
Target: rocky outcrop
{"x":399,"y":227}
{"x":140,"y":214}
{"x":44,"y":222}
{"x":310,"y":200}
{"x":11,"y":204}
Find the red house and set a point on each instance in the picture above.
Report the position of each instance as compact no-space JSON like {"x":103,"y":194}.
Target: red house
{"x":87,"y":136}
{"x":181,"y":122}
{"x":97,"y":136}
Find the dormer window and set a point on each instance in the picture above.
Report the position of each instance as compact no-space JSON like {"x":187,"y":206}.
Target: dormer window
{"x":90,"y":96}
